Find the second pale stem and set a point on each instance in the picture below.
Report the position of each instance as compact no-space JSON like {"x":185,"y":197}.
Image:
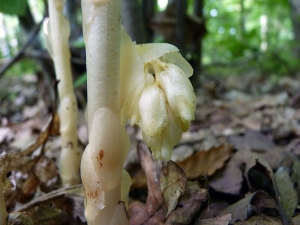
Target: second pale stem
{"x":59,"y":34}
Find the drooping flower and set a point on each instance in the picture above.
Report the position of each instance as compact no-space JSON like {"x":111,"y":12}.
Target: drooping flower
{"x":152,"y":107}
{"x":160,"y":99}
{"x":179,"y":92}
{"x":163,"y":143}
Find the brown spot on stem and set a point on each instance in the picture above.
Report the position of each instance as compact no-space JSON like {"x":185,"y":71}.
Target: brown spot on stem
{"x":101,"y":154}
{"x":100,"y":157}
{"x":93,"y":194}
{"x":69,"y":144}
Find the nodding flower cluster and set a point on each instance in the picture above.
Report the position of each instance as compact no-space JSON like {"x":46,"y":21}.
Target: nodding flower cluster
{"x":147,"y":85}
{"x":163,"y":103}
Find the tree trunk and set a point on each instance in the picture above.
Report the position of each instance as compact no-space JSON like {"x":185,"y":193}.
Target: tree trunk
{"x":148,"y":10}
{"x":295,"y":14}
{"x":196,"y":60}
{"x":132,"y":20}
{"x":181,"y":6}
{"x":171,"y":2}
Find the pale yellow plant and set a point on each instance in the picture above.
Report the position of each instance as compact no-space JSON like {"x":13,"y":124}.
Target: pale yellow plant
{"x":103,"y":158}
{"x":57,"y":32}
{"x":145,"y":84}
{"x":163,"y":103}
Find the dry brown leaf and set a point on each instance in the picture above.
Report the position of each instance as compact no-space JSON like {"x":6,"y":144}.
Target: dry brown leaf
{"x":262,"y":202}
{"x":189,"y":204}
{"x":271,"y":100}
{"x":263,"y":220}
{"x":275,"y":157}
{"x":294,"y":146}
{"x":252,"y":140}
{"x":219,"y":220}
{"x":154,"y":211}
{"x":41,"y":215}
{"x":247,"y":206}
{"x":215,"y":205}
{"x":6,"y":134}
{"x":27,"y":187}
{"x":251,"y":122}
{"x":45,"y":169}
{"x":35,"y":110}
{"x":34,"y":169}
{"x":295,"y":220}
{"x":229,"y":179}
{"x":205,"y":162}
{"x":166,"y":183}
{"x":27,"y":132}
{"x":61,"y":206}
{"x":22,"y":159}
{"x":173,"y":184}
{"x":5,"y":161}
{"x":182,"y":152}
{"x":286,"y":195}
{"x":56,"y":195}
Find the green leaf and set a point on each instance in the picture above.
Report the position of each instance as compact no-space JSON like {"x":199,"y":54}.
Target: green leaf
{"x":287,"y":198}
{"x":78,"y":43}
{"x":80,"y":80}
{"x":13,"y":7}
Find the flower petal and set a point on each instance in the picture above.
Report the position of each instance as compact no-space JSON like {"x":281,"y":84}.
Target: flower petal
{"x":171,"y":135}
{"x":130,"y":109}
{"x":179,"y":92}
{"x":154,"y":142}
{"x":162,"y":144}
{"x":131,"y":75}
{"x":177,"y":59}
{"x":185,"y":124}
{"x":150,"y":52}
{"x":153,"y":111}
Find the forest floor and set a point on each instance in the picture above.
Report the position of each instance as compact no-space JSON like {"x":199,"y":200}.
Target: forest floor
{"x":239,"y":159}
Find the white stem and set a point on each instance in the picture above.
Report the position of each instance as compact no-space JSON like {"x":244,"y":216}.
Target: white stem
{"x":103,"y":159}
{"x":101,"y":170}
{"x":101,"y":29}
{"x":70,"y":155}
{"x":59,"y":32}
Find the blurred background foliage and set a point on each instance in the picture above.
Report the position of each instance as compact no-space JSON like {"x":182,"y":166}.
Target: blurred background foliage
{"x":218,"y":37}
{"x":250,"y":35}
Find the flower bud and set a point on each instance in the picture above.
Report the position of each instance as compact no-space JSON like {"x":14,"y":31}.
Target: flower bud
{"x":179,"y":92}
{"x":152,"y":106}
{"x":162,"y":144}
